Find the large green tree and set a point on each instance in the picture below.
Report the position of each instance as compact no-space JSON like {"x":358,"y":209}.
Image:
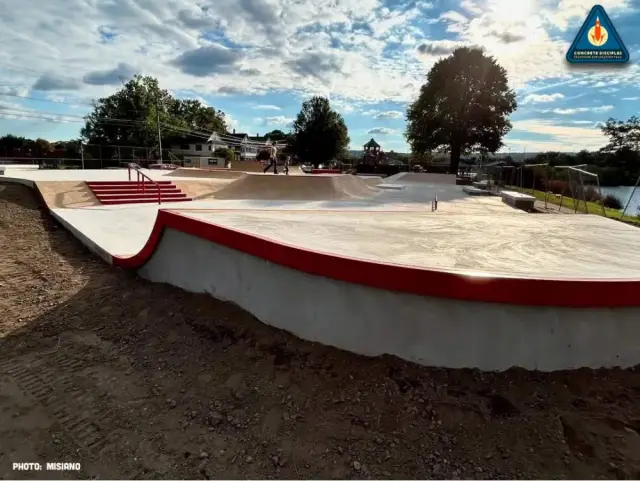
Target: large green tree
{"x":130,"y":116}
{"x":319,"y":132}
{"x":623,"y":134}
{"x":463,"y":107}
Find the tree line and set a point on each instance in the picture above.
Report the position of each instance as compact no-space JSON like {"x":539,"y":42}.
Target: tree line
{"x":139,"y":111}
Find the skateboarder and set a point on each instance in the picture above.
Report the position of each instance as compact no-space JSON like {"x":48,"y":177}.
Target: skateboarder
{"x":273,"y":160}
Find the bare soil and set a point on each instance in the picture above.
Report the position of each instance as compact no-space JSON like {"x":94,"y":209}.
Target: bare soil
{"x":140,"y":380}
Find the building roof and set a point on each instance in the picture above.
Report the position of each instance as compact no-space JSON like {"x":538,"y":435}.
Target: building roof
{"x":372,"y":143}
{"x":238,"y":136}
{"x":260,"y":138}
{"x":187,"y":139}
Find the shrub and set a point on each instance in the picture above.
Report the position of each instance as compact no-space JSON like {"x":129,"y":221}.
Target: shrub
{"x":558,"y":187}
{"x":612,"y":202}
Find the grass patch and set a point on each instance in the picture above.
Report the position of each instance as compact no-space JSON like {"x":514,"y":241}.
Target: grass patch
{"x":591,"y":208}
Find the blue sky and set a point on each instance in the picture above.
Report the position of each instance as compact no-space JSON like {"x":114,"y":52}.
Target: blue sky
{"x":257,"y":60}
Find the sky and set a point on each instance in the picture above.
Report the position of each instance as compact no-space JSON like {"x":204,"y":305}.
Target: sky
{"x":258,"y":60}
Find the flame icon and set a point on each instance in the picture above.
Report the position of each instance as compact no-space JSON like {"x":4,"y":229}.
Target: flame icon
{"x":597,"y":35}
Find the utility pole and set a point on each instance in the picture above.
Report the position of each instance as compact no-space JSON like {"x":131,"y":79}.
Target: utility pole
{"x":158,"y":122}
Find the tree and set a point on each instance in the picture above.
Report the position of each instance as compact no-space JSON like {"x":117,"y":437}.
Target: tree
{"x":229,"y":156}
{"x":130,"y":116}
{"x":319,"y":132}
{"x":464,"y":106}
{"x":623,"y":135}
{"x":276,"y":135}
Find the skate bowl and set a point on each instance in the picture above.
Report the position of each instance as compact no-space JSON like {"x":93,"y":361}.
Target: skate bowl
{"x":420,"y":178}
{"x":433,"y":317}
{"x":484,"y":288}
{"x":283,"y":187}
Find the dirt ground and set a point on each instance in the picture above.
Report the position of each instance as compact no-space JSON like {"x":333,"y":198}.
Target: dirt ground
{"x":139,"y":380}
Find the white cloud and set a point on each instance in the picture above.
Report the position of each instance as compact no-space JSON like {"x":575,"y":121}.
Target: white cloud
{"x":278,"y":120}
{"x":267,"y":107}
{"x":542,"y":98}
{"x":578,"y":110}
{"x":383,"y":131}
{"x":561,"y":137}
{"x":384,"y":114}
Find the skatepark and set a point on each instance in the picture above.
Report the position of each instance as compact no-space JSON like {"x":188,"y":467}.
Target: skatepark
{"x":368,"y":265}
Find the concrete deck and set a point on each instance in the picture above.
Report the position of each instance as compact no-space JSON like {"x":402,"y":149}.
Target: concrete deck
{"x":537,"y":246}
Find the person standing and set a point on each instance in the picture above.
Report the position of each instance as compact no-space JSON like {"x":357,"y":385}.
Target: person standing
{"x":273,"y":160}
{"x":287,"y":160}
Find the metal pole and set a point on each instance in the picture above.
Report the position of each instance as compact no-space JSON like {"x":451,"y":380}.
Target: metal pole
{"x":158,"y":122}
{"x":584,"y":193}
{"x":573,"y":196}
{"x":629,"y":201}
{"x":604,"y":212}
{"x":82,"y":155}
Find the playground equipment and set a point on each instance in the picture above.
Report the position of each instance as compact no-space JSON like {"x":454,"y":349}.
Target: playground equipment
{"x":630,"y":198}
{"x":576,"y":193}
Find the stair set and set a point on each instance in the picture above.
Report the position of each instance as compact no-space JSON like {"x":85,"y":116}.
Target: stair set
{"x":135,"y":192}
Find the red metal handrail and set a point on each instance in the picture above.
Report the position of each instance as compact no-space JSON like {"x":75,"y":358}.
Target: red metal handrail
{"x":143,"y":176}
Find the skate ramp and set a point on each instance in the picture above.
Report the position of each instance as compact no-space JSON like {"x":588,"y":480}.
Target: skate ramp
{"x":422,"y":178}
{"x":283,"y":187}
{"x":66,"y":194}
{"x":206,"y":173}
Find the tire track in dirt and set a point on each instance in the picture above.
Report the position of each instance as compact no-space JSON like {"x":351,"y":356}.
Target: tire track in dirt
{"x":56,"y":381}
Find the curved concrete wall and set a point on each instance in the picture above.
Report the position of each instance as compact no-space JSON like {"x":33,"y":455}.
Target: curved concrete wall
{"x":370,"y":321}
{"x":426,"y":316}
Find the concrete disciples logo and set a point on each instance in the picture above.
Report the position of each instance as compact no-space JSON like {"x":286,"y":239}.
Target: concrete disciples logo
{"x":597,"y":41}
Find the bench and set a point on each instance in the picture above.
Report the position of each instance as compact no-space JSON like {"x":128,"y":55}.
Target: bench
{"x":518,"y":200}
{"x":474,"y":190}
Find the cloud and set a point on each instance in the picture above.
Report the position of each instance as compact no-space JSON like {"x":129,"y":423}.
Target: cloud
{"x":382,"y":131}
{"x":439,"y":47}
{"x":267,"y":107}
{"x":14,"y":91}
{"x":123,"y":72}
{"x":278,"y":120}
{"x":578,"y":110}
{"x":48,"y":82}
{"x":542,"y":98}
{"x":208,"y":60}
{"x":559,"y":137}
{"x":384,"y":114}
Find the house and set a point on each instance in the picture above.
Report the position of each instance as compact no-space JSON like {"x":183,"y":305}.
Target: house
{"x":196,"y":151}
{"x":200,"y":152}
{"x":247,"y":147}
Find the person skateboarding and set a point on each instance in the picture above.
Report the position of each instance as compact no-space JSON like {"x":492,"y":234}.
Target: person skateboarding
{"x":273,"y":160}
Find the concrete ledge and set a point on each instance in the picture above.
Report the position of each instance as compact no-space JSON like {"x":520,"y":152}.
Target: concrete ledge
{"x":518,"y":200}
{"x":474,"y":190}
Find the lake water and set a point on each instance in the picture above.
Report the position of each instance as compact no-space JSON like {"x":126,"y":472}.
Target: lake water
{"x":624,"y":193}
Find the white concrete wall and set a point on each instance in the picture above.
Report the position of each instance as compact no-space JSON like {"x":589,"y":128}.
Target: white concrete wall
{"x":429,"y":331}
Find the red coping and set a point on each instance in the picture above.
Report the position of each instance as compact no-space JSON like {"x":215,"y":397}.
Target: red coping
{"x":413,"y":280}
{"x":326,"y":171}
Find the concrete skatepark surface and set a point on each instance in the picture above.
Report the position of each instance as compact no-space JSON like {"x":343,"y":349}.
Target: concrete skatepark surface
{"x":396,"y":277}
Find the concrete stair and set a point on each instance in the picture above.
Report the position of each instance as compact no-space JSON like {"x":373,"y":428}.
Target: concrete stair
{"x":132,"y":192}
